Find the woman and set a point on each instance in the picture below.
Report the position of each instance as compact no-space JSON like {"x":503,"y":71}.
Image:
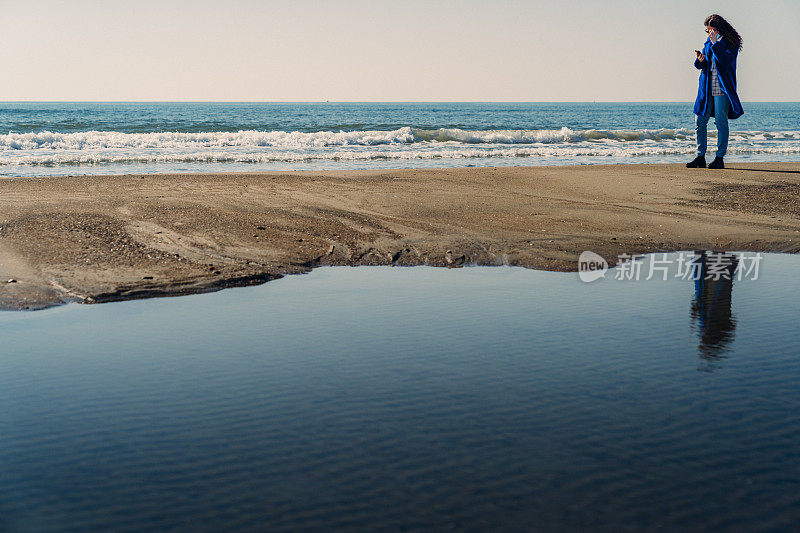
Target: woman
{"x":717,"y":92}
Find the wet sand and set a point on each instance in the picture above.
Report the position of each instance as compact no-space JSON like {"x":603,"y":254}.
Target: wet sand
{"x":104,"y":238}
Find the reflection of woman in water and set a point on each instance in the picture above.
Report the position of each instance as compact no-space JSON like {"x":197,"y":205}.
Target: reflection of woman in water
{"x":711,"y":308}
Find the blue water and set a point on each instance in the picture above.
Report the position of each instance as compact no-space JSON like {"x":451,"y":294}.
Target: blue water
{"x":379,"y":398}
{"x":85,"y":138}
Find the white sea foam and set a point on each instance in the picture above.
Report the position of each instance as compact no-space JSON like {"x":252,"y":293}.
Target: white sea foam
{"x":113,"y":139}
{"x":55,"y":158}
{"x":103,"y":147}
{"x":295,"y":139}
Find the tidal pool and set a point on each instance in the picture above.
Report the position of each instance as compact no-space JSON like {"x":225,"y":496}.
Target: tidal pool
{"x":380,"y":398}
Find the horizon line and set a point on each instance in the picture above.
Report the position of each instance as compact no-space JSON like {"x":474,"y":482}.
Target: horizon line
{"x":377,"y":101}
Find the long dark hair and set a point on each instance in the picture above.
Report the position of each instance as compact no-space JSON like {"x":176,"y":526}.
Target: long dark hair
{"x":726,"y":30}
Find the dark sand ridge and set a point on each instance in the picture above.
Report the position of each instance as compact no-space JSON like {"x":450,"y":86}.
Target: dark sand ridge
{"x":104,"y":238}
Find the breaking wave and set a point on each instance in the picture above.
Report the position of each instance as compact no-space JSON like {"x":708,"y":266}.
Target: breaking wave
{"x":295,"y":139}
{"x":406,"y":143}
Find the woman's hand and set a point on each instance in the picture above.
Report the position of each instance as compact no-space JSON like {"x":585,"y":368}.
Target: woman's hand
{"x":700,"y":55}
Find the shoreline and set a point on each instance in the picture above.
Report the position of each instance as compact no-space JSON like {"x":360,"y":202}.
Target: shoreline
{"x":100,"y":238}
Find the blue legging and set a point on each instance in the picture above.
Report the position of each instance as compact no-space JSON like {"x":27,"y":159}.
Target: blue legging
{"x":720,"y":111}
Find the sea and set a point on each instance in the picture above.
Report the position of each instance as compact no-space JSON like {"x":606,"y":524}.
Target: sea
{"x":56,"y":138}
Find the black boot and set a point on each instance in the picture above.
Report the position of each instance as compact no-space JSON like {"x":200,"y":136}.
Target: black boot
{"x":717,"y":163}
{"x":697,"y":162}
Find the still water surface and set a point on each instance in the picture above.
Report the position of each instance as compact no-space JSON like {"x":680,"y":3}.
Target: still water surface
{"x":380,"y":398}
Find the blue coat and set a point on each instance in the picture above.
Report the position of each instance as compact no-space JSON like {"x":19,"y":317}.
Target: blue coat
{"x":725,"y":60}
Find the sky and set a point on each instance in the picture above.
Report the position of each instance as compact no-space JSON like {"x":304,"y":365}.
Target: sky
{"x":386,"y":50}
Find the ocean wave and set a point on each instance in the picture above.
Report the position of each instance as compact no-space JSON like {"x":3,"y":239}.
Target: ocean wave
{"x":406,"y":143}
{"x":93,"y":140}
{"x":572,"y":152}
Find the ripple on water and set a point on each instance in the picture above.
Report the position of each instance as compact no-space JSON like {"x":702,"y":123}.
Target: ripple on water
{"x":404,"y":398}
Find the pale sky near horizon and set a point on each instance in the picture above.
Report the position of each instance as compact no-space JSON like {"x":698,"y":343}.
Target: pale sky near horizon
{"x":377,"y":50}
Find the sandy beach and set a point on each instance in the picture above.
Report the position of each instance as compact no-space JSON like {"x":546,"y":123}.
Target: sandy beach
{"x":104,"y":238}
